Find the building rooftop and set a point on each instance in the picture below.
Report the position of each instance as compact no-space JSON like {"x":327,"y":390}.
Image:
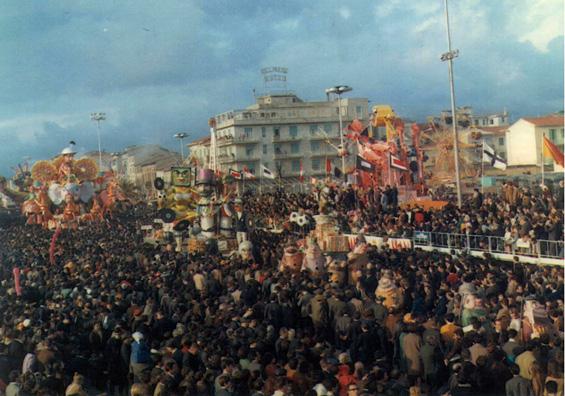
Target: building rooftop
{"x":202,"y":141}
{"x":549,"y":120}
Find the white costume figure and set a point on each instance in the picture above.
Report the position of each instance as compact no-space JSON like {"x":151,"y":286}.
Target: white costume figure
{"x":207,"y":218}
{"x":246,"y":251}
{"x":314,"y":261}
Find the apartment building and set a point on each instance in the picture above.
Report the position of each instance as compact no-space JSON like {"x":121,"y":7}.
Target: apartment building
{"x":283,"y":132}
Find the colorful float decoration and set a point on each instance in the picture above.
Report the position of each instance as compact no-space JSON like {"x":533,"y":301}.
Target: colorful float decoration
{"x":66,"y":192}
{"x":177,"y":202}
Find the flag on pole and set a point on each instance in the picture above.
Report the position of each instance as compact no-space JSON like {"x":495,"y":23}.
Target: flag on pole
{"x":236,"y":174}
{"x":247,"y":173}
{"x":490,"y":156}
{"x":550,"y":150}
{"x":364,"y":165}
{"x":266,"y":172}
{"x":301,"y":177}
{"x":328,"y":166}
{"x":397,"y":163}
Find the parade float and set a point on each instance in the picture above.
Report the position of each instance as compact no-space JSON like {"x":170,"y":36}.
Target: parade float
{"x":196,"y":208}
{"x":65,"y":192}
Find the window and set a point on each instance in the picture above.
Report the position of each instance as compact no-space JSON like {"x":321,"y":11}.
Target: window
{"x":248,"y":132}
{"x":552,"y":135}
{"x":264,"y":149}
{"x":263,"y":132}
{"x":316,"y":164}
{"x":328,"y":128}
{"x":277,"y":131}
{"x":314,"y":146}
{"x":296,"y":165}
{"x":501,"y":141}
{"x":249,"y":151}
{"x":359,"y":110}
{"x":277,"y":149}
{"x":293,"y":131}
{"x":295,"y":147}
{"x":491,"y":121}
{"x":313,"y":129}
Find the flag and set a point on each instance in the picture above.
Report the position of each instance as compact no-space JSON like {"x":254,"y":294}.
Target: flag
{"x":266,"y":172}
{"x":235,"y":174}
{"x":247,"y":173}
{"x":328,"y":165}
{"x":490,"y":156}
{"x":301,"y":177}
{"x":397,"y":163}
{"x":364,"y":165}
{"x":550,"y":150}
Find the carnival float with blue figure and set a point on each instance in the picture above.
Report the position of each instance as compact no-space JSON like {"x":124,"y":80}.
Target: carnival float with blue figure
{"x":65,"y":192}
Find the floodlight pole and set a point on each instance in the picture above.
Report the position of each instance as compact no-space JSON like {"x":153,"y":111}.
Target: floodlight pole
{"x":448,"y":56}
{"x":98,"y":117}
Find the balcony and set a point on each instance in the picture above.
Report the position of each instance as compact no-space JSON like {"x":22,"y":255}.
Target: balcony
{"x":282,"y":139}
{"x":229,"y":140}
{"x":286,"y":155}
{"x":329,"y":154}
{"x":322,"y":137}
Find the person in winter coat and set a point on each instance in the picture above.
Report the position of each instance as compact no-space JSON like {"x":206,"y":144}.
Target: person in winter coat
{"x":140,"y":358}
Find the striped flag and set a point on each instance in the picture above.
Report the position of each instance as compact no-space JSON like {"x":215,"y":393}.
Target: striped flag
{"x":266,"y":172}
{"x":490,"y":156}
{"x":236,"y":174}
{"x":247,"y":173}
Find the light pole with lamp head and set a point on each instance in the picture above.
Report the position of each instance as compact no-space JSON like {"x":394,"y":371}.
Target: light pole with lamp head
{"x":98,"y":117}
{"x":338,"y":90}
{"x":180,"y":136}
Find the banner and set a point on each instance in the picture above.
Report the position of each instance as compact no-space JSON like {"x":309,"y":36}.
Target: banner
{"x":364,"y":165}
{"x":380,"y":242}
{"x":397,"y":163}
{"x":236,"y":174}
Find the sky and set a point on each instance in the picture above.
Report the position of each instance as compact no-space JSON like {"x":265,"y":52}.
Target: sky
{"x":161,"y":67}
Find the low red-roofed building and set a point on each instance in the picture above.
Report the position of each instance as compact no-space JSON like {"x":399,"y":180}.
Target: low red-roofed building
{"x":524,"y":139}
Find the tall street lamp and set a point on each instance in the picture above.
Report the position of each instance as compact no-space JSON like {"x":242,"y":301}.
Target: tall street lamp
{"x":449,"y":56}
{"x":180,"y":136}
{"x":338,"y":90}
{"x":98,"y":117}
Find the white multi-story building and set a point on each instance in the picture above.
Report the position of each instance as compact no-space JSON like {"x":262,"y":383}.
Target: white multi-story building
{"x":281,"y":131}
{"x":523,"y":139}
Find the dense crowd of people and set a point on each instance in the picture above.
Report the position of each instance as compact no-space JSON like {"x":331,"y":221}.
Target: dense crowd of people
{"x":113,"y":315}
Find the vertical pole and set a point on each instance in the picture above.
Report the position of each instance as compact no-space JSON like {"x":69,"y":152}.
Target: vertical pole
{"x":453,"y":112}
{"x":341,"y":136}
{"x":541,"y":160}
{"x":482,"y":169}
{"x":99,"y":146}
{"x":181,"y":151}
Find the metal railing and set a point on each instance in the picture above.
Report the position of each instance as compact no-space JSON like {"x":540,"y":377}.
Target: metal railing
{"x":490,"y":244}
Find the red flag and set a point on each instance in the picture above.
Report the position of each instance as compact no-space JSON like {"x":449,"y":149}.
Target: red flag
{"x":301,"y":178}
{"x":328,"y":165}
{"x":17,"y":286}
{"x":552,"y":151}
{"x":52,"y":245}
{"x":247,"y":173}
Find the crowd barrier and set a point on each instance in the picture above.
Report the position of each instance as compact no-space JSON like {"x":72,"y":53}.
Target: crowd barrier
{"x":540,"y":252}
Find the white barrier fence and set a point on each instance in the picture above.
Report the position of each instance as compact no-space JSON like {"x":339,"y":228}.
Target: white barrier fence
{"x":540,"y":252}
